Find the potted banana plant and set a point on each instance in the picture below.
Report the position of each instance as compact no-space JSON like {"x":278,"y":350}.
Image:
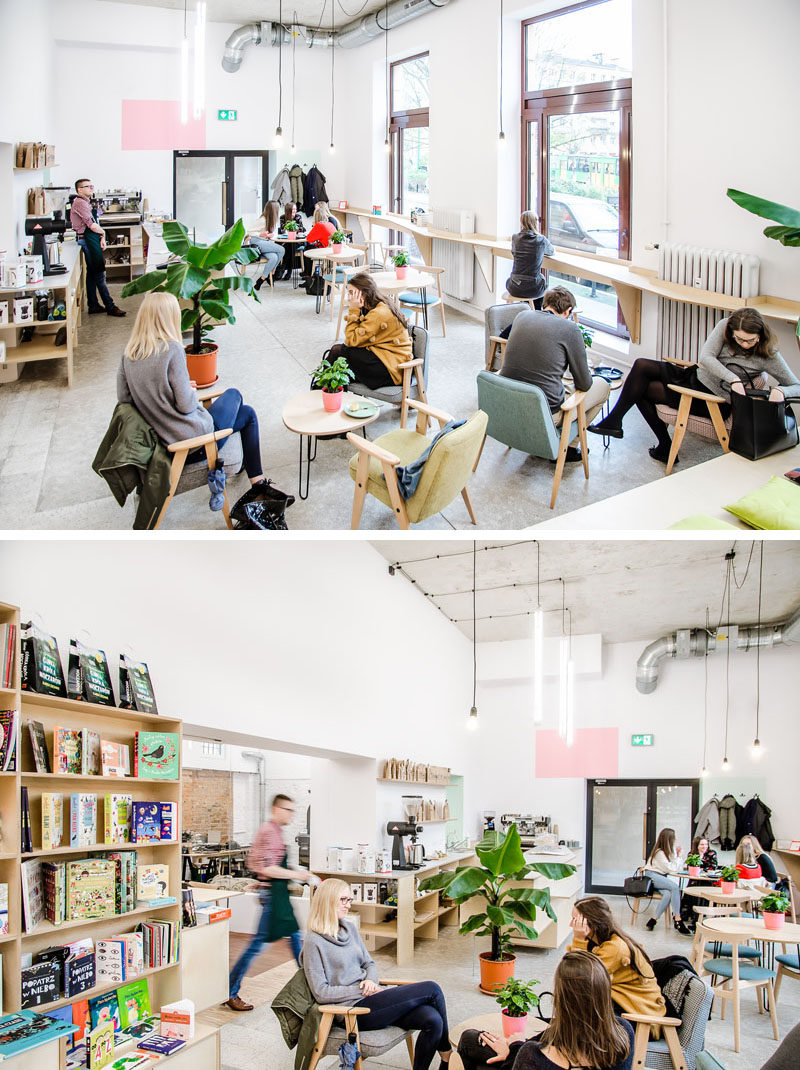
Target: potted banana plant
{"x":333,"y":377}
{"x":517,"y":998}
{"x":401,"y":262}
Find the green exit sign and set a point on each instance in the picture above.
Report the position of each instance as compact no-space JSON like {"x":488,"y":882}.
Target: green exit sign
{"x":643,"y":741}
{"x":226,"y":115}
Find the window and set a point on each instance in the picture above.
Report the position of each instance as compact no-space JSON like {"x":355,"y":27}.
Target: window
{"x":212,"y":750}
{"x":409,"y":95}
{"x":576,"y":105}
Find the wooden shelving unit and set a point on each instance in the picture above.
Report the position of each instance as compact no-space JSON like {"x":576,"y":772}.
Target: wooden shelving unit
{"x":132,"y":248}
{"x":202,"y":1053}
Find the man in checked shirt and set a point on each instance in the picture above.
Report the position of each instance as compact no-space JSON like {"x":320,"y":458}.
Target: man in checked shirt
{"x":267,"y":859}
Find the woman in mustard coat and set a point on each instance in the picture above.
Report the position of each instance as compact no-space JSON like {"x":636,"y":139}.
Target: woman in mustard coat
{"x":376,"y":338}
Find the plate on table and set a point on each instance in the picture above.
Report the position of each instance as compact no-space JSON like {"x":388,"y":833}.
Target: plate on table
{"x":361,"y":409}
{"x":608,"y":373}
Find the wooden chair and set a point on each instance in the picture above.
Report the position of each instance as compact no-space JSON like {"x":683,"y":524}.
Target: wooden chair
{"x":788,"y":879}
{"x":451,"y":462}
{"x":682,"y":1038}
{"x":698,"y":944}
{"x":496,"y":319}
{"x":371,"y":1043}
{"x":416,"y":300}
{"x":510,"y":300}
{"x":336,"y":279}
{"x":636,"y":907}
{"x":415,"y":376}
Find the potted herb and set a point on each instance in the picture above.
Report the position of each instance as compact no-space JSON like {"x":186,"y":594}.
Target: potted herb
{"x":338,"y":238}
{"x":516,"y":998}
{"x":333,"y":377}
{"x":508,"y":908}
{"x":401,"y":262}
{"x":195,"y":276}
{"x":774,"y":906}
{"x":693,"y":865}
{"x":728,"y":878}
{"x":291,"y":229}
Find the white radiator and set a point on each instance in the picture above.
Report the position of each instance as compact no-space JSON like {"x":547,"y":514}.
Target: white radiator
{"x":455,"y":258}
{"x":683,"y":328}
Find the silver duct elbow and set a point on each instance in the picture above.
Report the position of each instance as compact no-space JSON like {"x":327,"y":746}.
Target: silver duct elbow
{"x":649,"y":663}
{"x":242,"y":36}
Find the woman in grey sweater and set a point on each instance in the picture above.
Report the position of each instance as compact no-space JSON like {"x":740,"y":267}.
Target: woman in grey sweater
{"x":529,"y":247}
{"x":339,"y":969}
{"x":742,"y":341}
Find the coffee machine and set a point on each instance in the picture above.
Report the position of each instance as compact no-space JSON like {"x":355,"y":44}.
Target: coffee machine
{"x":406,"y":827}
{"x":489,"y":817}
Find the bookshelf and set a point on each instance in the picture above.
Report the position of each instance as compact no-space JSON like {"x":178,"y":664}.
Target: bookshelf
{"x":201,"y":1053}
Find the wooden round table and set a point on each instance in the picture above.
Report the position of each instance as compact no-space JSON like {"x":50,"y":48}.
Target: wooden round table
{"x":304,"y":414}
{"x":738,"y":897}
{"x":488,"y":1023}
{"x":348,"y":255}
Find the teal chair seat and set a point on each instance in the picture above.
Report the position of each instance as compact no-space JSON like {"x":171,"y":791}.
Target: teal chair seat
{"x":416,"y":297}
{"x":792,"y":961}
{"x":745,"y":951}
{"x":747,"y":972}
{"x":341,"y":276}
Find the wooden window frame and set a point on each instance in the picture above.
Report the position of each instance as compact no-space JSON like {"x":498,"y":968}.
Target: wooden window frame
{"x":400,"y":120}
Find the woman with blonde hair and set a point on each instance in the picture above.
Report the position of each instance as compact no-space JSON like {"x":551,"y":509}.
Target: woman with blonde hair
{"x":321,"y":232}
{"x":583,"y":1032}
{"x":339,"y":969}
{"x":153,"y":376}
{"x":529,"y":247}
{"x":260,"y":235}
{"x":753,"y":863}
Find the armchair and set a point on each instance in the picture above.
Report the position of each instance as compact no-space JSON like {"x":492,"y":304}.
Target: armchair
{"x":415,"y":376}
{"x":682,"y":1039}
{"x":371,"y":1043}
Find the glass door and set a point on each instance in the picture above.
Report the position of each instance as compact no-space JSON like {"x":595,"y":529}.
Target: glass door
{"x":211,"y":190}
{"x":623,"y":819}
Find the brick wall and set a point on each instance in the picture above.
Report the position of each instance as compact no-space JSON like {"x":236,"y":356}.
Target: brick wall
{"x":208,"y":801}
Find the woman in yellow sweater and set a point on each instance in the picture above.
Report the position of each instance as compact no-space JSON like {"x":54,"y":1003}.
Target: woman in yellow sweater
{"x":376,"y":338}
{"x":633,"y":984}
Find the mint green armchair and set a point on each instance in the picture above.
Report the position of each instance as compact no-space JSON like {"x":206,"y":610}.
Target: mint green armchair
{"x":520,"y":417}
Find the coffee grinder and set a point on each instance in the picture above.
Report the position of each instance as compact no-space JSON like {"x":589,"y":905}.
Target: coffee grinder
{"x":488,"y":821}
{"x":407,"y":827}
{"x":38,"y":227}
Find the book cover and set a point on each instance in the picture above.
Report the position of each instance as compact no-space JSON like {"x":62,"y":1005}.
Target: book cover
{"x":145,"y":1028}
{"x":130,"y":1061}
{"x":8,"y":740}
{"x":189,"y":910}
{"x":52,"y":819}
{"x":101,"y":1045}
{"x":41,"y":755}
{"x":152,"y":881}
{"x":161,"y":1045}
{"x":146,"y":822}
{"x":66,"y":750}
{"x":90,"y":753}
{"x":8,"y":642}
{"x":24,"y":1030}
{"x":80,"y":973}
{"x":88,"y":677}
{"x":115,"y":758}
{"x":135,"y":686}
{"x":169,"y":821}
{"x":155,"y":756}
{"x":103,"y":1010}
{"x":110,"y":960}
{"x":82,"y":819}
{"x":40,"y":983}
{"x":134,"y":1003}
{"x":26,"y":836}
{"x":54,"y":877}
{"x":32,"y":893}
{"x":90,"y":888}
{"x":177,"y":1019}
{"x":3,"y":910}
{"x":41,"y":662}
{"x":117,"y":818}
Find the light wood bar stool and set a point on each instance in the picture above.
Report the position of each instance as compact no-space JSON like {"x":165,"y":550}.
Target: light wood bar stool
{"x":390,"y":250}
{"x":509,"y":300}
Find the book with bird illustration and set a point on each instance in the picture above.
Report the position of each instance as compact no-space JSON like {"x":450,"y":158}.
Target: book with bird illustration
{"x":155,"y":756}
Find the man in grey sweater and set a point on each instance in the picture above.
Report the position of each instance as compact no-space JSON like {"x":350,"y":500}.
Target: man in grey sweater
{"x":542,"y":346}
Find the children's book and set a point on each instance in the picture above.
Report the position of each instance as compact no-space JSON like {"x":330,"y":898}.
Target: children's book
{"x":117,"y":818}
{"x":52,"y":819}
{"x":41,"y":662}
{"x":115,"y":758}
{"x":162,"y":1045}
{"x":131,"y":1061}
{"x":177,"y":1019}
{"x":155,"y":756}
{"x":54,"y":876}
{"x":103,"y":1009}
{"x":26,"y":1029}
{"x":135,"y":686}
{"x":169,"y":821}
{"x":101,"y":1045}
{"x":8,"y":643}
{"x":90,"y":753}
{"x":90,"y":888}
{"x":152,"y":882}
{"x":144,"y":1028}
{"x":66,"y":750}
{"x":26,"y":834}
{"x":3,"y":910}
{"x":41,"y":755}
{"x":82,"y":820}
{"x":8,"y":740}
{"x":40,"y":983}
{"x":134,"y":1003}
{"x":32,"y":893}
{"x":82,"y":1020}
{"x":80,"y":972}
{"x":146,"y":822}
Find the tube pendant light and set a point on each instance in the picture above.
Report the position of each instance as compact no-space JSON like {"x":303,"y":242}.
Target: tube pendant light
{"x":472,"y":719}
{"x":704,"y":769}
{"x":295,"y":33}
{"x":538,"y":647}
{"x":185,"y":69}
{"x":199,"y":59}
{"x":387,"y":145}
{"x":756,"y":750}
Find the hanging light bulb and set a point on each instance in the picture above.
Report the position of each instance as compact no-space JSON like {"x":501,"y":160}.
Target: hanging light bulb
{"x":756,"y":750}
{"x":704,"y":771}
{"x":501,"y":140}
{"x":332,"y":148}
{"x":563,"y":662}
{"x":199,"y":59}
{"x":387,"y":148}
{"x":184,"y":81}
{"x":278,"y":139}
{"x":538,"y":666}
{"x":726,"y":765}
{"x":472,"y":720}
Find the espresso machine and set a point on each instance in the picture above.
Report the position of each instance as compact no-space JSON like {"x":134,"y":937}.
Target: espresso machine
{"x":489,"y":817}
{"x":406,"y":827}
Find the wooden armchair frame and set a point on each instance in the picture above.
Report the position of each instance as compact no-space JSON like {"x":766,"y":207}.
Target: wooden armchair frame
{"x":389,"y":462}
{"x":574,"y":408}
{"x":351,"y":1016}
{"x":642,"y":1024}
{"x":495,"y":343}
{"x":407,"y":369}
{"x":180,"y":451}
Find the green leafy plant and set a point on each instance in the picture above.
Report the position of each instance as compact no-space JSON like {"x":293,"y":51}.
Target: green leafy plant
{"x":400,"y":259}
{"x":338,"y":237}
{"x":693,"y":860}
{"x":588,"y":335}
{"x":333,"y":376}
{"x":291,"y":226}
{"x":787,"y":220}
{"x":775,"y":903}
{"x":508,"y":909}
{"x":196,"y":275}
{"x":516,"y":997}
{"x":729,"y":873}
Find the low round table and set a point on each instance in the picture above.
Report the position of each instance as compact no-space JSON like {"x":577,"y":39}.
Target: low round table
{"x":738,"y":897}
{"x":304,"y":414}
{"x":488,"y":1023}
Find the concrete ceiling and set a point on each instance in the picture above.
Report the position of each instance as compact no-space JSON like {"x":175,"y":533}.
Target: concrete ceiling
{"x":624,"y":590}
{"x":308,"y":12}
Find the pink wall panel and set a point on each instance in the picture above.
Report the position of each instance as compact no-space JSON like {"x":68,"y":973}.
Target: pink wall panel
{"x":156,"y":124}
{"x":595,"y":753}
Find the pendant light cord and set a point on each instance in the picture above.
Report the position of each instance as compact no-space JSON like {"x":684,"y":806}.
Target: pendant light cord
{"x":538,"y":576}
{"x":758,"y":641}
{"x":386,"y":59}
{"x":474,"y":625}
{"x":728,"y":656}
{"x":501,"y":69}
{"x":294,"y":45}
{"x":705,"y":696}
{"x":333,"y":62}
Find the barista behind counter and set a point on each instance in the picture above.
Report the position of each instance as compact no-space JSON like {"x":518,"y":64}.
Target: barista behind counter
{"x":92,"y":239}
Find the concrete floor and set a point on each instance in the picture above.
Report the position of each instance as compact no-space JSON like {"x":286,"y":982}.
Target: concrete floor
{"x":49,"y":434}
{"x":253,"y":1040}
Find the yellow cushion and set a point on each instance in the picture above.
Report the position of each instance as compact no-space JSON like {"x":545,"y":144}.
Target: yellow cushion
{"x":775,"y":506}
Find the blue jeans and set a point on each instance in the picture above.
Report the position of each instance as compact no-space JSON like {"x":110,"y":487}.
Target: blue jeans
{"x":228,"y":411}
{"x":271,"y":252}
{"x":253,"y":949}
{"x":95,"y":283}
{"x":419,"y":1006}
{"x":671,"y":893}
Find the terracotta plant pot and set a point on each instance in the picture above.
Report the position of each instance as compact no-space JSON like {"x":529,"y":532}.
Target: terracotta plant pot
{"x":401,"y":272}
{"x":495,"y":974}
{"x":203,"y":366}
{"x":512,"y":1025}
{"x":773,"y":920}
{"x":728,"y":887}
{"x":332,"y":400}
{"x":336,"y":246}
{"x":694,"y":871}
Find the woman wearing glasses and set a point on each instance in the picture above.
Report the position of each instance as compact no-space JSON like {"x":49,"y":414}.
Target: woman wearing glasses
{"x":742,"y":341}
{"x":338,"y":969}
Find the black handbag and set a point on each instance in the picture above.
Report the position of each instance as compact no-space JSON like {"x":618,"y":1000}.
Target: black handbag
{"x":638,"y":886}
{"x":759,"y":427}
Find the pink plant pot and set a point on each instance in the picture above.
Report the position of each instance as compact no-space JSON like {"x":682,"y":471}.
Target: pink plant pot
{"x":332,"y":400}
{"x":291,"y":235}
{"x":401,"y":272}
{"x":512,"y":1026}
{"x":336,"y":247}
{"x":694,"y":871}
{"x":728,"y":887}
{"x":773,"y":920}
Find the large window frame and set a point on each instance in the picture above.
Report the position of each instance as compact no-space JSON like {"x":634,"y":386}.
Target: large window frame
{"x":539,"y":105}
{"x":400,"y":120}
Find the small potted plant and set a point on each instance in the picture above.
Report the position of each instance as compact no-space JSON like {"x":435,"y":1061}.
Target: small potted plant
{"x":401,"y":262}
{"x":338,"y":239}
{"x":291,"y":229}
{"x":728,"y":878}
{"x":774,"y":906}
{"x":333,"y":377}
{"x":693,"y":865}
{"x":516,"y":998}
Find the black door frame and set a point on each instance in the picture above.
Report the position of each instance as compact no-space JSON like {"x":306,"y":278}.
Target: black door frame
{"x":229,"y":156}
{"x":652,"y":786}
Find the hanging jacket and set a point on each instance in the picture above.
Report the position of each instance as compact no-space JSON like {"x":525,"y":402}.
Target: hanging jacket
{"x":674,"y":974}
{"x":282,"y":187}
{"x":728,"y":808}
{"x":707,"y":821}
{"x":299,"y":1018}
{"x":296,"y":183}
{"x":132,"y":457}
{"x":756,"y":819}
{"x":313,"y":190}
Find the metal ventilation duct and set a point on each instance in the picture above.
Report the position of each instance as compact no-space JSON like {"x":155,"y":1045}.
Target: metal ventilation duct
{"x":349,"y":36}
{"x":697,"y":643}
